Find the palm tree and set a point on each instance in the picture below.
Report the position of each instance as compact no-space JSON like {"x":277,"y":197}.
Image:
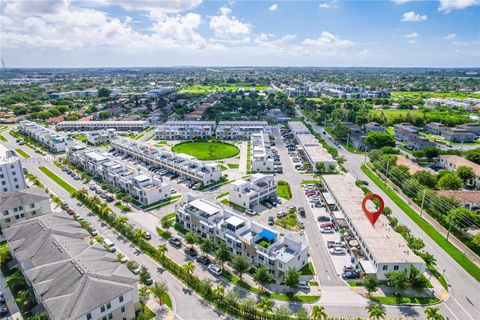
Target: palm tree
{"x":82,"y":194}
{"x":15,"y":281}
{"x":24,"y":298}
{"x":4,"y":254}
{"x":95,"y":201}
{"x":188,"y":267}
{"x":139,"y":234}
{"x":219,"y":292}
{"x":432,"y":313}
{"x":162,"y":249}
{"x":106,"y":211}
{"x":375,"y":312}
{"x":265,"y":305}
{"x":143,"y":294}
{"x":160,"y":289}
{"x":318,"y":313}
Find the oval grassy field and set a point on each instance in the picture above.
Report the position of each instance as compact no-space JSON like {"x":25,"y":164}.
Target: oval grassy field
{"x":207,"y":150}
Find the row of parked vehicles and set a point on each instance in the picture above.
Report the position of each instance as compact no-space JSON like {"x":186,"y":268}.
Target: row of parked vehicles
{"x":3,"y":306}
{"x":312,"y":192}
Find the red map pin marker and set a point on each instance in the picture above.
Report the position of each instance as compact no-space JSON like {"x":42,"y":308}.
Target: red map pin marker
{"x":373,"y":216}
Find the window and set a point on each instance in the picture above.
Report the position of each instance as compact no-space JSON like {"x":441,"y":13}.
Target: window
{"x":5,"y":213}
{"x":7,"y":220}
{"x":385,"y":268}
{"x":122,"y":309}
{"x":109,"y":305}
{"x":32,"y":205}
{"x":89,"y":316}
{"x":120,"y":298}
{"x":395,"y":267}
{"x":102,"y":309}
{"x":15,"y":180}
{"x":104,"y":318}
{"x":110,"y":316}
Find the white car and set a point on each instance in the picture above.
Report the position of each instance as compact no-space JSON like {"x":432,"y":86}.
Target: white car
{"x":281,"y":214}
{"x":337,"y":250}
{"x":303,"y":285}
{"x":214,"y":269}
{"x":250,"y":212}
{"x":328,"y":230}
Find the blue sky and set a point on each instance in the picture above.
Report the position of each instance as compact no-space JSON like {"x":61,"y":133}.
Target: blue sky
{"x":117,"y":33}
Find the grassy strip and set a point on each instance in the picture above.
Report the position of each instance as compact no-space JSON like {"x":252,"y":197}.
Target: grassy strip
{"x":34,"y":180}
{"x":22,"y":153}
{"x":162,"y":203}
{"x":62,"y":183}
{"x":233,"y":165}
{"x":2,"y":138}
{"x":122,"y":207}
{"x":165,"y":235}
{"x":222,"y":195}
{"x":180,"y":229}
{"x":313,"y":283}
{"x":138,"y":136}
{"x":248,"y":159}
{"x":150,"y":138}
{"x":308,"y":270}
{"x":455,"y":253}
{"x":402,"y":300}
{"x":166,"y":299}
{"x":58,"y":164}
{"x":168,"y":217}
{"x":284,"y":190}
{"x":233,"y":205}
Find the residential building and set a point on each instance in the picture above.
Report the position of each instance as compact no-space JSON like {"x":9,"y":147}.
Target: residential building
{"x":459,"y":135}
{"x":250,"y":193}
{"x":384,"y":249}
{"x":141,"y":186}
{"x":261,"y":153}
{"x":412,"y":166}
{"x":99,"y":125}
{"x":185,"y":130}
{"x":254,"y":241}
{"x":181,"y":164}
{"x":48,"y":138}
{"x":298,"y":127}
{"x":159,"y":91}
{"x":69,"y":277}
{"x":355,"y":136}
{"x":435,"y":128}
{"x":406,"y":132}
{"x":374,"y":126}
{"x":434,"y":103}
{"x":70,"y":94}
{"x":240,"y":130}
{"x":472,"y":127}
{"x":453,"y":162}
{"x":11,"y":172}
{"x":22,"y":205}
{"x":314,"y":151}
{"x":468,"y":199}
{"x":101,"y":136}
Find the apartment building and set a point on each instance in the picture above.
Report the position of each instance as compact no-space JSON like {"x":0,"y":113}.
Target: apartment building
{"x":298,"y":127}
{"x":261,"y":153}
{"x":314,"y":151}
{"x":181,"y":164}
{"x":459,"y":135}
{"x":469,"y":199}
{"x":453,"y":162}
{"x":254,"y":241}
{"x":355,"y":136}
{"x":157,"y":92}
{"x":384,"y":249}
{"x":101,"y":136}
{"x":435,"y":128}
{"x":70,"y":94}
{"x":434,"y":103}
{"x":249,"y":193}
{"x":472,"y":127}
{"x":185,"y":130}
{"x":22,"y":205}
{"x":406,"y":132}
{"x":374,"y":126}
{"x":139,"y":185}
{"x":12,"y":177}
{"x":70,"y":278}
{"x":240,"y":130}
{"x":100,"y":125}
{"x":48,"y":138}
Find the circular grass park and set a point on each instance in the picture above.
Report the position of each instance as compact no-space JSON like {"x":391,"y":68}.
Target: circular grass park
{"x":211,"y":150}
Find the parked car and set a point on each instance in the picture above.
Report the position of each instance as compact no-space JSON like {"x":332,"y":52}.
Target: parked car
{"x":70,"y":212}
{"x":250,"y":212}
{"x":3,"y":311}
{"x":348,"y":275}
{"x":148,"y":281}
{"x":327,"y":225}
{"x":303,"y":285}
{"x":327,"y":230}
{"x":191,"y":252}
{"x":175,"y":242}
{"x":323,"y":218}
{"x":337,"y":251}
{"x":216,"y":270}
{"x":148,"y":236}
{"x":281,"y":214}
{"x":301,"y":210}
{"x":123,"y":259}
{"x":93,"y":187}
{"x":203,"y":260}
{"x":332,"y":244}
{"x":349,"y":268}
{"x":271,"y":221}
{"x":64,"y":206}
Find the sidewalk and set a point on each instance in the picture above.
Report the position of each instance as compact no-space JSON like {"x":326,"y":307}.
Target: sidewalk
{"x":161,"y":311}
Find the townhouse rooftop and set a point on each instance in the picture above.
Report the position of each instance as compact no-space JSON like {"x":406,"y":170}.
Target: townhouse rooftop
{"x":458,"y":161}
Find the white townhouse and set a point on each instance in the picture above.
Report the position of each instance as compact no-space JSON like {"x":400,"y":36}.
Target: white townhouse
{"x":314,"y":151}
{"x":385,"y":250}
{"x":181,"y":164}
{"x":70,"y":278}
{"x":249,"y":193}
{"x":298,"y":127}
{"x":46,"y":137}
{"x":139,"y":185}
{"x":101,"y":136}
{"x":260,"y":244}
{"x":12,"y":177}
{"x":136,"y":126}
{"x":22,"y":205}
{"x":240,"y":130}
{"x":453,"y":162}
{"x":185,"y":130}
{"x":261,"y":153}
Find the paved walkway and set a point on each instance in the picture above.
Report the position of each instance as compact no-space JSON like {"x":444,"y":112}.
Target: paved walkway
{"x":161,"y":311}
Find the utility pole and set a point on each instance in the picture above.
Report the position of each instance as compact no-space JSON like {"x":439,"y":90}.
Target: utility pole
{"x":452,"y":213}
{"x":423,"y":202}
{"x":386,"y":172}
{"x":365,"y":157}
{"x":348,"y":138}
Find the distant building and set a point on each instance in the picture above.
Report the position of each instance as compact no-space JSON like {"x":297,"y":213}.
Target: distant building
{"x":298,"y":127}
{"x":101,"y":136}
{"x":468,"y":199}
{"x":71,"y":94}
{"x":261,"y":153}
{"x":453,"y":162}
{"x":408,"y":133}
{"x":185,"y":130}
{"x":11,"y":172}
{"x":314,"y":151}
{"x":100,"y":125}
{"x":250,"y":193}
{"x":48,"y":138}
{"x":435,"y":128}
{"x":472,"y":127}
{"x":374,"y":126}
{"x":240,"y":130}
{"x":459,"y":135}
{"x":433,"y":103}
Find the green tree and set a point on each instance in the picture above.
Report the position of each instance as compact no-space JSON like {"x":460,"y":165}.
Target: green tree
{"x":426,"y":178}
{"x":160,"y":289}
{"x":398,"y":279}
{"x":143,"y":294}
{"x":320,"y":166}
{"x":4,"y":254}
{"x":191,"y":239}
{"x":431,"y":152}
{"x":223,"y":254}
{"x":208,"y":246}
{"x":282,"y":312}
{"x":188,"y":267}
{"x":476,"y":239}
{"x":16,"y":281}
{"x":465,"y":173}
{"x":433,"y":313}
{"x":262,"y":277}
{"x":265,"y":305}
{"x":378,"y":140}
{"x":450,"y":181}
{"x":162,"y":249}
{"x":302,"y":314}
{"x":219,"y":292}
{"x":370,"y":283}
{"x":240,"y":265}
{"x":104,"y":93}
{"x":387,"y":211}
{"x":139,"y":234}
{"x":318,"y":313}
{"x":144,"y":275}
{"x":473,"y":155}
{"x":24,"y":299}
{"x":103,"y":115}
{"x":291,"y":278}
{"x":375,"y":313}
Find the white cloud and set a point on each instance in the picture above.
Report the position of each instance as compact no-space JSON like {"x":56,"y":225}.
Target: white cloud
{"x":399,"y":2}
{"x":227,"y":26}
{"x":327,"y":39}
{"x":411,"y":16}
{"x":450,"y":36}
{"x":329,"y":5}
{"x":156,"y":9}
{"x":273,"y":7}
{"x":449,"y":5}
{"x":412,"y":35}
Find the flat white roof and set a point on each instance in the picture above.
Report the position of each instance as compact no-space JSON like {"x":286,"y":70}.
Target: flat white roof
{"x":96,"y":156}
{"x":234,"y":221}
{"x":297,"y":126}
{"x":315,"y":151}
{"x":141,"y":178}
{"x":204,"y":206}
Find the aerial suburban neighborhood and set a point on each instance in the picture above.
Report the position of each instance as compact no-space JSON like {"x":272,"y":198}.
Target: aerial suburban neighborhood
{"x":269,"y":179}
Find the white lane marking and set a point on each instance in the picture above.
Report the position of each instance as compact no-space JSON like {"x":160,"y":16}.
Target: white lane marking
{"x":461,"y":307}
{"x":448,"y":308}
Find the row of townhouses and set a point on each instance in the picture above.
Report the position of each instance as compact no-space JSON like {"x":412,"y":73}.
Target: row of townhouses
{"x":453,"y":162}
{"x":11,"y":172}
{"x":384,"y":249}
{"x":136,"y":126}
{"x":334,"y":90}
{"x":462,"y":133}
{"x":407,"y":132}
{"x":77,"y":93}
{"x":254,"y":241}
{"x":46,"y":137}
{"x":356,"y":135}
{"x":181,"y":164}
{"x":249,"y":193}
{"x":101,"y":136}
{"x":467,"y":104}
{"x":224,"y":130}
{"x":70,"y":278}
{"x":261,"y":153}
{"x":139,"y":185}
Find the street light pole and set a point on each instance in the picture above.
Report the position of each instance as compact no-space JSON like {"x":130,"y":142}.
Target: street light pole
{"x":423,"y":202}
{"x":452,"y":213}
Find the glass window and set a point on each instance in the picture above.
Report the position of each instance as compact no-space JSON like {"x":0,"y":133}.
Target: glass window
{"x":89,"y":316}
{"x":385,"y":268}
{"x":102,"y":308}
{"x":395,"y":267}
{"x":120,"y":298}
{"x":122,"y":308}
{"x":110,"y":316}
{"x":109,"y":305}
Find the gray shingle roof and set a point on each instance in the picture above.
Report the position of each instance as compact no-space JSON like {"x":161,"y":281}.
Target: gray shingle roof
{"x":71,"y":276}
{"x":22,"y":197}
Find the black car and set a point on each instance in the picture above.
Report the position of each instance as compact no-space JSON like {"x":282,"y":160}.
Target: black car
{"x":323,"y":218}
{"x":350,"y":275}
{"x":3,"y":311}
{"x":301,"y":210}
{"x":191,"y":252}
{"x":175,"y":242}
{"x":203,"y":260}
{"x":271,"y":221}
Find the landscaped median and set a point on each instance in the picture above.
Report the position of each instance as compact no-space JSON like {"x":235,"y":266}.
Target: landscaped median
{"x":162,"y":203}
{"x":22,"y":153}
{"x":455,"y":253}
{"x":405,"y":300}
{"x":284,"y":190}
{"x":62,"y":183}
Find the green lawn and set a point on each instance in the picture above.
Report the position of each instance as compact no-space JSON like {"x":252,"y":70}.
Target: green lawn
{"x":168,"y":217}
{"x":162,"y":233}
{"x":62,"y":183}
{"x":392,"y":114}
{"x":22,"y":153}
{"x":212,"y":150}
{"x":161,"y":143}
{"x":310,"y":182}
{"x":289,"y":222}
{"x":199,"y":89}
{"x":284,"y":190}
{"x":180,"y":229}
{"x":161,"y":203}
{"x":80,"y":137}
{"x":121,"y":206}
{"x":308,"y":270}
{"x":455,"y":253}
{"x":166,"y":299}
{"x":2,"y":138}
{"x":264,"y":243}
{"x":233,"y":205}
{"x":395,"y":300}
{"x":429,"y":94}
{"x":222,"y":195}
{"x":233,"y":165}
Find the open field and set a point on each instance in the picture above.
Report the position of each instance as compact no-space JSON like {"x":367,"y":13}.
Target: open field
{"x":207,"y":150}
{"x":428,"y":94}
{"x":199,"y":89}
{"x":393,"y":114}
